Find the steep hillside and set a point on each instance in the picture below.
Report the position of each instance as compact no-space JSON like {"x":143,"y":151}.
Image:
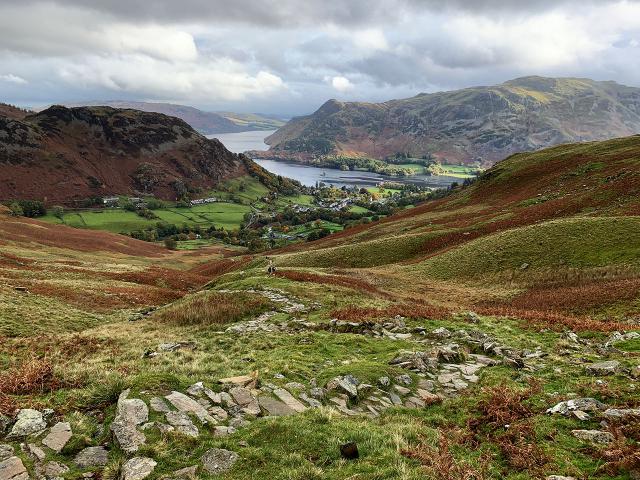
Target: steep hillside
{"x":483,"y":124}
{"x":65,"y":154}
{"x":12,"y":112}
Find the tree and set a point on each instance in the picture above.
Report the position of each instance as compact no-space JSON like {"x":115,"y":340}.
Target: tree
{"x":170,"y":243}
{"x":16,"y":209}
{"x":58,"y":212}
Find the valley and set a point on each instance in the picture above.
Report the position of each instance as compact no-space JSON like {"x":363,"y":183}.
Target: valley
{"x":490,"y":332}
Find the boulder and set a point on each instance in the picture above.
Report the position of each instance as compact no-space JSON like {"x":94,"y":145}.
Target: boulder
{"x":593,"y":436}
{"x":58,"y":436}
{"x":92,"y":457}
{"x":187,"y":473}
{"x":130,"y":413}
{"x":159,"y":405}
{"x":28,"y":422}
{"x":610,"y":367}
{"x":449,"y":353}
{"x":218,"y":460}
{"x":138,"y":468}
{"x":241,"y":395}
{"x":13,"y":469}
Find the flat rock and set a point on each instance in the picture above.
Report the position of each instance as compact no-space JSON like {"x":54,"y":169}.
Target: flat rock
{"x":222,"y":431}
{"x":159,"y":405}
{"x":241,"y":380}
{"x":13,"y":469}
{"x":189,"y":405}
{"x":28,"y":422}
{"x":582,"y":404}
{"x":610,"y":367}
{"x":622,"y":414}
{"x":182,"y":423}
{"x":186,"y":473}
{"x":342,"y":384}
{"x":289,"y":400}
{"x":593,"y":436}
{"x":6,"y":451}
{"x":253,"y":408}
{"x":92,"y":457}
{"x":559,"y":477}
{"x":219,"y":413}
{"x":58,"y":436}
{"x":218,"y":460}
{"x":55,"y":469}
{"x":241,"y":395}
{"x":127,"y":434}
{"x":36,"y":452}
{"x":275,"y":407}
{"x":138,"y":468}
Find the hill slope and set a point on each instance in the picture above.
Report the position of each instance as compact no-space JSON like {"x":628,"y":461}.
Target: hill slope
{"x":62,"y":154}
{"x":599,"y":179}
{"x":482,"y":123}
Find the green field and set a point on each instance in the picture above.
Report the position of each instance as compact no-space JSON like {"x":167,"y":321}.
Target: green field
{"x":459,"y":171}
{"x":226,"y":215}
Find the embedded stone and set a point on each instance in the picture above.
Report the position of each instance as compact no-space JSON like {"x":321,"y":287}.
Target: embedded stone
{"x":28,"y":422}
{"x":58,"y":436}
{"x":218,"y":460}
{"x":138,"y":468}
{"x":92,"y":457}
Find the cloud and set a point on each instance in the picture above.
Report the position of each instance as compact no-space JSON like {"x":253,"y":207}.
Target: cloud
{"x":341,"y":84}
{"x":288,"y":56}
{"x":11,"y":78}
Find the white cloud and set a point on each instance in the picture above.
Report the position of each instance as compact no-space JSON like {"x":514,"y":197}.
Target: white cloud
{"x":11,"y":78}
{"x":341,"y":84}
{"x":211,"y":80}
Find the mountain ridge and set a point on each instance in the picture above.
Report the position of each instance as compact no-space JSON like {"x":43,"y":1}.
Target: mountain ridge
{"x":476,"y":124}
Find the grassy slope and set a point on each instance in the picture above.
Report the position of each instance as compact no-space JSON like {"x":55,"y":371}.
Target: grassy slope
{"x":452,"y":253}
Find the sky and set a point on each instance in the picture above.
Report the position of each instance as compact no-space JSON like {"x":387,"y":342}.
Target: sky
{"x":288,"y":57}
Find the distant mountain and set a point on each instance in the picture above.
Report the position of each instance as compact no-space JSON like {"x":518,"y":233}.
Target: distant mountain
{"x":483,"y":124}
{"x":64,"y":154}
{"x":254,"y":121}
{"x":207,"y":123}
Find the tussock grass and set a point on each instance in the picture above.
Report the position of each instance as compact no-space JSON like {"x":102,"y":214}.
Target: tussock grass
{"x":212,"y":308}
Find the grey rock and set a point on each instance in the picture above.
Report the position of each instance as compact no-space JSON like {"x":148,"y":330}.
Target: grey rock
{"x":275,"y":407}
{"x":55,"y":470}
{"x":582,"y":404}
{"x":187,"y":473}
{"x":593,"y":436}
{"x":28,"y":422}
{"x":295,"y":386}
{"x":289,"y":400}
{"x":219,"y":413}
{"x":318,"y":393}
{"x":313,"y":403}
{"x":6,"y":451}
{"x":138,"y":468}
{"x":58,"y":436}
{"x":159,"y":405}
{"x":218,"y":460}
{"x":92,"y":457}
{"x":13,"y":469}
{"x":622,"y":415}
{"x":222,"y":431}
{"x":559,"y":477}
{"x":404,"y":379}
{"x":182,"y":423}
{"x":5,"y":423}
{"x":441,"y":333}
{"x":342,"y":384}
{"x":36,"y":452}
{"x":241,"y":395}
{"x":449,"y":353}
{"x":133,"y":410}
{"x":610,"y":367}
{"x":384,"y":382}
{"x":189,"y":405}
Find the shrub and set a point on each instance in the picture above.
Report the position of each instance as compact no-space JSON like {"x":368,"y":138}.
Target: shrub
{"x":34,"y":376}
{"x":170,"y":243}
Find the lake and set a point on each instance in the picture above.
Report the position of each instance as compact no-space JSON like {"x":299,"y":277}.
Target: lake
{"x":243,"y":141}
{"x":309,"y":176}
